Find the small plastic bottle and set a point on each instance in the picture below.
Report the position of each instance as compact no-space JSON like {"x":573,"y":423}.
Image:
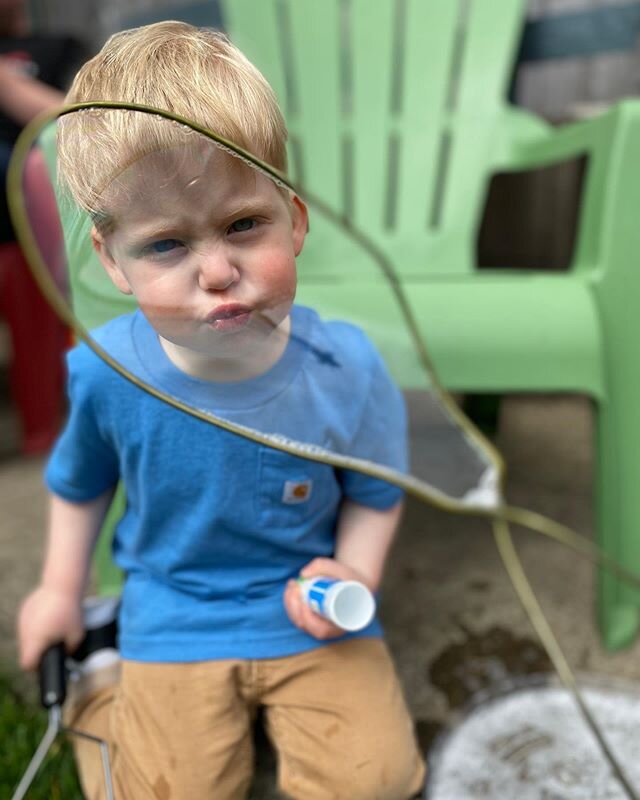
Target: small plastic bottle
{"x":348,"y":604}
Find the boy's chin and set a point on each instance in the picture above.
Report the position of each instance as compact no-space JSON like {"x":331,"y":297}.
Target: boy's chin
{"x":229,"y":341}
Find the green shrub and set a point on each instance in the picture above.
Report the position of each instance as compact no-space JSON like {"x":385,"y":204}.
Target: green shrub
{"x":22,"y":726}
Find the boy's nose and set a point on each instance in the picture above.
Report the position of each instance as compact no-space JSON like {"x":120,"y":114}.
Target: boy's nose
{"x":216,"y":271}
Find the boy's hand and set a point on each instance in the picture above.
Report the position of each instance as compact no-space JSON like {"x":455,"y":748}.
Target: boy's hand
{"x":46,"y":617}
{"x":300,"y":613}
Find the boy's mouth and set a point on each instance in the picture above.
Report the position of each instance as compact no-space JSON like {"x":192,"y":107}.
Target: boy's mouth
{"x":229,"y":317}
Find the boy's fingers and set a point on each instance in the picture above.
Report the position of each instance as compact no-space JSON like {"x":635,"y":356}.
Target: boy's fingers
{"x":26,"y":661}
{"x":31,"y":654}
{"x":305,"y":618}
{"x":328,"y":567}
{"x":32,"y":646}
{"x":73,"y":639}
{"x":320,"y":566}
{"x":302,"y":616}
{"x":319,"y":627}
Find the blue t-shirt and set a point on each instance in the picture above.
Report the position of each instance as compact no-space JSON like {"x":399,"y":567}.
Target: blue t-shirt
{"x":216,"y":524}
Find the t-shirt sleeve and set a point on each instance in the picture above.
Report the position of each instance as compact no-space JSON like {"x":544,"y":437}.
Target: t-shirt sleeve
{"x":382,"y":438}
{"x":83,"y":463}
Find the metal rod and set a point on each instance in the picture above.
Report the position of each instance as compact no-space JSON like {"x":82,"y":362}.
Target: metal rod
{"x":53,"y":728}
{"x":104,"y":755}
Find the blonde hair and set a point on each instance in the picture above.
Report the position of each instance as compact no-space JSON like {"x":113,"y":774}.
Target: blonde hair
{"x":193,"y":72}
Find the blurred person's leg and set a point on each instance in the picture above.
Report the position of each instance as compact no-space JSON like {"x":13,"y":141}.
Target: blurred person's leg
{"x":38,"y":340}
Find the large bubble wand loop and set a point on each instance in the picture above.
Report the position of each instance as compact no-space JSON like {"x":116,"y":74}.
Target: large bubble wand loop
{"x":496,"y":510}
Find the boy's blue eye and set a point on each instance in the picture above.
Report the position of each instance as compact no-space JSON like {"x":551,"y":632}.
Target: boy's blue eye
{"x":242,"y":225}
{"x":163,"y":246}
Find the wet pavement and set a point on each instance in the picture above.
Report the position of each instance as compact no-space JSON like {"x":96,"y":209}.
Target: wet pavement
{"x":511,"y":745}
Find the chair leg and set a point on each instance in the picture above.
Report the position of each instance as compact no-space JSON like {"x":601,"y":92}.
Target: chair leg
{"x":618,"y":518}
{"x":484,"y":411}
{"x":39,"y":340}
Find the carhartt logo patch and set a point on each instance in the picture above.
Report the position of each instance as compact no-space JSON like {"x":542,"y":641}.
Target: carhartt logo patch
{"x":297,"y":491}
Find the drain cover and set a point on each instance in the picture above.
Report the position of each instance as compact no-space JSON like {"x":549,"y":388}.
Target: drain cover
{"x":533,"y":744}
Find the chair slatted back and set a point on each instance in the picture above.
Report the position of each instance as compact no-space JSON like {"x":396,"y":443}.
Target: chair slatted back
{"x":396,"y":111}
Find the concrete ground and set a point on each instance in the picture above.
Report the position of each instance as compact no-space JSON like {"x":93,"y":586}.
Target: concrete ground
{"x":452,"y":619}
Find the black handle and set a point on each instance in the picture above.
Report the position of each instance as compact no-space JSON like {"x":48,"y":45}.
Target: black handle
{"x":53,"y":678}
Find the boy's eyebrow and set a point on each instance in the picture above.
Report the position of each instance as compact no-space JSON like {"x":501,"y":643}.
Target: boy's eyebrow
{"x":248,"y":206}
{"x":155,"y":229}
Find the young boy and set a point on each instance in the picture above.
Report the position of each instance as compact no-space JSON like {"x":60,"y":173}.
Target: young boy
{"x":217,"y":527}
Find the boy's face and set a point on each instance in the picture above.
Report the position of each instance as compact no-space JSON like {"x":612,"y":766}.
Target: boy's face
{"x":207,"y":245}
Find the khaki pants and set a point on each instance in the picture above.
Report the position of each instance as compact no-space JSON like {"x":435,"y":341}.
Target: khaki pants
{"x":336,"y":716}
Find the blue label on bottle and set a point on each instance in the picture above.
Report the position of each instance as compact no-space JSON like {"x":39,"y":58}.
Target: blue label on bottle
{"x":317,"y":593}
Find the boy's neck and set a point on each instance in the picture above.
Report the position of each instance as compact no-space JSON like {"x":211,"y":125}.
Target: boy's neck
{"x":225,"y":370}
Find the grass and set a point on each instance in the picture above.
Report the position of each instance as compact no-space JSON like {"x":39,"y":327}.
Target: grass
{"x":22,"y":725}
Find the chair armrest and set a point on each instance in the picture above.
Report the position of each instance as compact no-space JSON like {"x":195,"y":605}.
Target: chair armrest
{"x":609,"y":228}
{"x":597,"y":136}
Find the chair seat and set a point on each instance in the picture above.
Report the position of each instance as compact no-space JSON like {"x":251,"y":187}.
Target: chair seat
{"x":489,"y":332}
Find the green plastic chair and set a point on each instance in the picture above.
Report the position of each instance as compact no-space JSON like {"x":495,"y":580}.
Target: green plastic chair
{"x":398,"y":119}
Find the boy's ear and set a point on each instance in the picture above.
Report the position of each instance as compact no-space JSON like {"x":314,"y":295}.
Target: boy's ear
{"x":300,"y":221}
{"x":113,"y":271}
